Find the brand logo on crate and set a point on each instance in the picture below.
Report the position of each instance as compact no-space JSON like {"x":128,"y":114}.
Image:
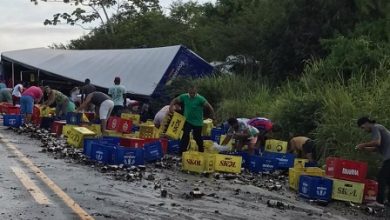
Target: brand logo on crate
{"x":268,"y":165}
{"x":305,"y":188}
{"x":351,"y":172}
{"x":154,"y":152}
{"x":99,"y":155}
{"x":321,"y":191}
{"x":283,"y":160}
{"x":347,"y":192}
{"x":227,"y":163}
{"x":114,"y":123}
{"x":125,"y":126}
{"x":279,"y":148}
{"x":129,"y":159}
{"x":12,"y":121}
{"x":194,"y":162}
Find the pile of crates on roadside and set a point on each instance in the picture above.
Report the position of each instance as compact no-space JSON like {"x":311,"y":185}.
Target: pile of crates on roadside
{"x":343,"y":180}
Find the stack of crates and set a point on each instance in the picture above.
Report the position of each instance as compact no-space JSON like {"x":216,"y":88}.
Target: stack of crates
{"x":349,"y":180}
{"x":295,"y":173}
{"x":77,"y":134}
{"x":148,"y":130}
{"x":135,"y":118}
{"x":198,"y":162}
{"x":12,"y":117}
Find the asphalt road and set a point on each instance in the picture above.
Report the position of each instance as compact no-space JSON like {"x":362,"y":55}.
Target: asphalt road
{"x":36,"y":185}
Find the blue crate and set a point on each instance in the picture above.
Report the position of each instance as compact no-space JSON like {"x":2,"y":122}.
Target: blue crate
{"x":257,"y":164}
{"x":73,"y":118}
{"x":285,"y":161}
{"x":46,"y":122}
{"x":216,"y":134}
{"x":314,"y":187}
{"x":12,"y":120}
{"x":173,"y":146}
{"x":107,"y":140}
{"x":103,"y":153}
{"x":153,"y":151}
{"x":129,"y":156}
{"x":134,"y":129}
{"x":245,"y":158}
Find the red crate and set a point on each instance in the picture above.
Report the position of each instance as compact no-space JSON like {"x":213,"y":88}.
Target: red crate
{"x":132,"y":142}
{"x":11,"y":110}
{"x":113,"y":123}
{"x":125,"y":126}
{"x":4,"y":107}
{"x":164,"y":145}
{"x":57,"y":127}
{"x":36,"y":116}
{"x":346,"y":169}
{"x":370,"y":190}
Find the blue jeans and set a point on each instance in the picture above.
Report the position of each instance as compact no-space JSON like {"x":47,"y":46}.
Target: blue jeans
{"x":26,"y":104}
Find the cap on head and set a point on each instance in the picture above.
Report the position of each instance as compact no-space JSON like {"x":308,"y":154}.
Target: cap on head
{"x":117,"y":80}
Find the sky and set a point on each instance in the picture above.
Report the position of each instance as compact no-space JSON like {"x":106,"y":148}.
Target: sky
{"x":21,"y":24}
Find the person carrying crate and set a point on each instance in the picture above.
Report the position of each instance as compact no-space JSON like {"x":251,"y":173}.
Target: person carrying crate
{"x":242,"y":133}
{"x":380,"y":142}
{"x":194,"y":105}
{"x":160,"y":115}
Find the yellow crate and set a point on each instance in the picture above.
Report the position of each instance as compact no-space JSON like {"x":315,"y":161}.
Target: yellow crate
{"x":347,"y":191}
{"x":231,"y":142}
{"x":77,"y":135}
{"x":276,"y":146}
{"x":228,"y":163}
{"x":67,"y":129}
{"x":135,"y":118}
{"x":295,"y":173}
{"x":300,"y":163}
{"x":113,"y":133}
{"x":207,"y":144}
{"x":148,"y":131}
{"x":95,"y":128}
{"x":132,"y":135}
{"x":198,"y":162}
{"x":175,"y":126}
{"x":207,"y":127}
{"x":46,"y":111}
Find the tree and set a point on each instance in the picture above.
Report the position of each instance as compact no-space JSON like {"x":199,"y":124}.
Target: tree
{"x":100,"y":10}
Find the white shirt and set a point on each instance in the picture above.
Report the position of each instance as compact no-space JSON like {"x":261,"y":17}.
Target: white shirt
{"x":16,"y":91}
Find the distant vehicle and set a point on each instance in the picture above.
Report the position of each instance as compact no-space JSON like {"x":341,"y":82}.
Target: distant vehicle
{"x":235,"y":63}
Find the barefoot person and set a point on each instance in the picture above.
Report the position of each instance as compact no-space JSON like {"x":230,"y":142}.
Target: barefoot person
{"x":380,"y":142}
{"x":103,"y":106}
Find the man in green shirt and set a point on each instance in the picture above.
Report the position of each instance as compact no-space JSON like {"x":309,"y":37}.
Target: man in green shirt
{"x":193,"y":111}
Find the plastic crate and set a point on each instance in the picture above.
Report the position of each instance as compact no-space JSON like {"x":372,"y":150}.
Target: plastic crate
{"x":57,"y":127}
{"x":229,"y":144}
{"x":285,"y":161}
{"x":67,"y":129}
{"x":228,"y":163}
{"x":103,"y":153}
{"x":125,"y":126}
{"x":153,"y":151}
{"x":346,"y":169}
{"x":348,"y":191}
{"x":11,"y":110}
{"x":370,"y":190}
{"x":275,"y":146}
{"x":46,"y":122}
{"x":12,"y":120}
{"x":313,"y":187}
{"x":173,"y":146}
{"x":109,"y":141}
{"x":295,"y":173}
{"x":164,"y":145}
{"x":148,"y":131}
{"x":77,"y":135}
{"x":198,"y":162}
{"x":216,"y":134}
{"x":257,"y":164}
{"x":207,"y":127}
{"x":113,"y":123}
{"x":96,"y":128}
{"x":175,"y":126}
{"x":4,"y":106}
{"x":113,"y":133}
{"x":135,"y":118}
{"x":73,"y":118}
{"x":300,"y":163}
{"x":130,"y":156}
{"x":132,"y":142}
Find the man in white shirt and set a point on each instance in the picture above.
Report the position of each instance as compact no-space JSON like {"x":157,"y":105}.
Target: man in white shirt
{"x":118,"y":95}
{"x":17,"y":93}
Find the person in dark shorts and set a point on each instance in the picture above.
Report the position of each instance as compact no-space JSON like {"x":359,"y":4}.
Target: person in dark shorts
{"x":103,"y":107}
{"x":304,"y":148}
{"x":380,"y":142}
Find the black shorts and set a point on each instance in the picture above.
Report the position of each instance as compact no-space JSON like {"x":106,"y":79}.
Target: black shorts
{"x":309,"y":147}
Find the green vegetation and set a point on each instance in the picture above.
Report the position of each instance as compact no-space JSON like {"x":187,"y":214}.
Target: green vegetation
{"x":323,"y":63}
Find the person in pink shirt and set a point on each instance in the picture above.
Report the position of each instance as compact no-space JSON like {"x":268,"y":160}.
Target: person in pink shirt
{"x":29,"y":96}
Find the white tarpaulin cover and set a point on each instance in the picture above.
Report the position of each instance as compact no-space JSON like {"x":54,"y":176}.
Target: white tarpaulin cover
{"x":140,"y":70}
